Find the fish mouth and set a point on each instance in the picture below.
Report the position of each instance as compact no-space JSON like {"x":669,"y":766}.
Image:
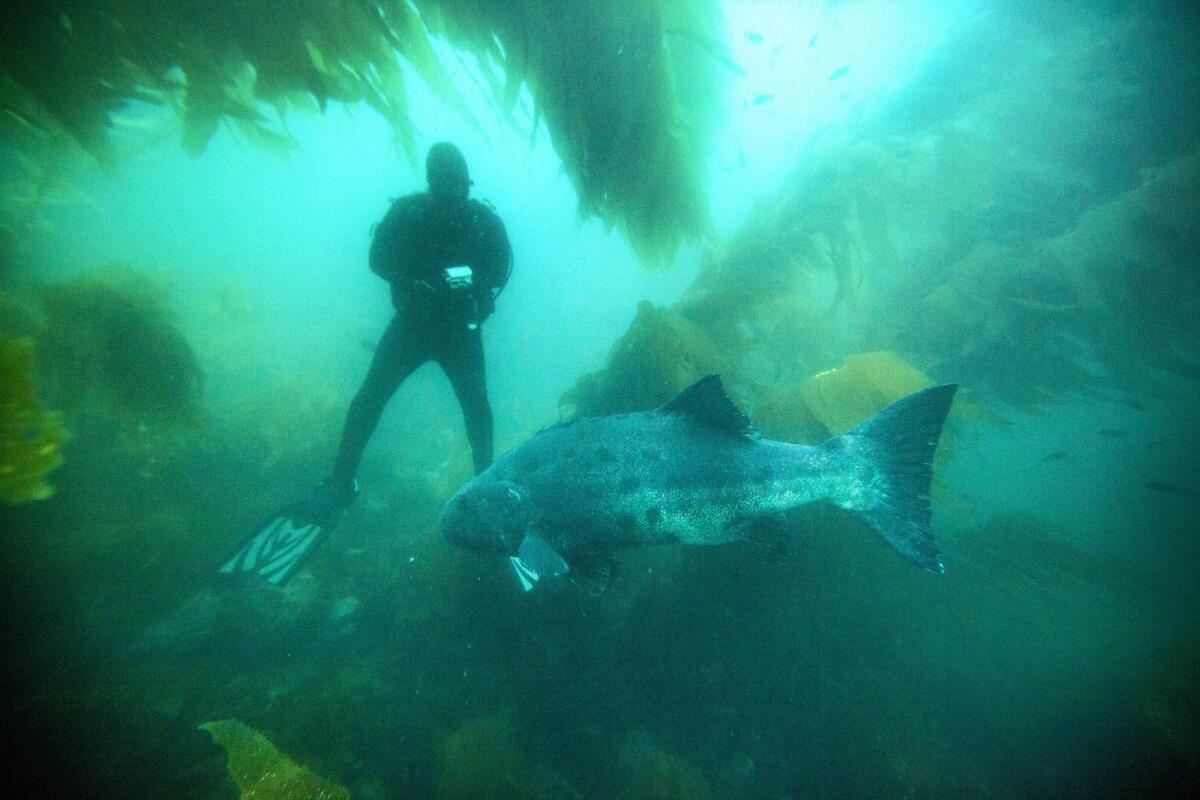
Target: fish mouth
{"x":457,"y":529}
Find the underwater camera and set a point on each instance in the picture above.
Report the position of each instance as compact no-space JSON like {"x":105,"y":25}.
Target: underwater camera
{"x":460,"y":279}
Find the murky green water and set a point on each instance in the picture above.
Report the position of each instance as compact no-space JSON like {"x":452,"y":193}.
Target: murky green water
{"x":1000,"y":195}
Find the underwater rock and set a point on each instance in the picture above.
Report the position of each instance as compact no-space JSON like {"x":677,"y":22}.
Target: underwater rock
{"x":1171,"y":700}
{"x":297,"y":601}
{"x":189,"y":626}
{"x":30,"y":437}
{"x":262,"y":772}
{"x":344,"y":608}
{"x":481,"y":758}
{"x":342,"y":619}
{"x":655,"y":774}
{"x":739,"y":774}
{"x":660,"y":354}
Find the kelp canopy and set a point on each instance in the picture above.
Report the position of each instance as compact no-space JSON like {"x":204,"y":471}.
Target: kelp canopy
{"x":1005,"y":235}
{"x":625,"y":89}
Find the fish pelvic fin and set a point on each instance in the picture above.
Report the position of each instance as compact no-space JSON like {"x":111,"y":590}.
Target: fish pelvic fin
{"x":898,"y":444}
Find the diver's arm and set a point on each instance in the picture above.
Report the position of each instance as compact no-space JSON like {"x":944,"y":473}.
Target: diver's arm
{"x":387,"y":264}
{"x":382,"y":257}
{"x":390,"y":255}
{"x":495,"y":266}
{"x":381,"y":261}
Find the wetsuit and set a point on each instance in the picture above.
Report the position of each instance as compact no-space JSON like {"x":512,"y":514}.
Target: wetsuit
{"x":417,"y":240}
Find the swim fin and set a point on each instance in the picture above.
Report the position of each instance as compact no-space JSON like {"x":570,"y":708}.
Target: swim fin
{"x":279,"y":547}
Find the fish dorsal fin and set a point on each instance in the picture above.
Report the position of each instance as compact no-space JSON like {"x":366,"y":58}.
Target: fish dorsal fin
{"x":705,"y":401}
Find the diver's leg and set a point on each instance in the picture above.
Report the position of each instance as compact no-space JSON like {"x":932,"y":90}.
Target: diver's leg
{"x":461,"y":357}
{"x":398,"y":354}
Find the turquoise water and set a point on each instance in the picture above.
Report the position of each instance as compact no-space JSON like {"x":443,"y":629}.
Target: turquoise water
{"x":1001,"y":195}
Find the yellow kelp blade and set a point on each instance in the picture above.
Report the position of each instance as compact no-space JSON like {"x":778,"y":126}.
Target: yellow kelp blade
{"x":866,"y":382}
{"x":262,"y":772}
{"x":30,"y":438}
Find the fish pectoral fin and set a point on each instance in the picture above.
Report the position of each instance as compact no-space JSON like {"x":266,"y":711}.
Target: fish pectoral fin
{"x":537,"y":555}
{"x":593,"y":572}
{"x":536,"y":559}
{"x":525,"y":575}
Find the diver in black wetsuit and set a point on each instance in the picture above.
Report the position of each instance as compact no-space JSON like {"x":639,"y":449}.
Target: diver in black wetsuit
{"x":447,"y":258}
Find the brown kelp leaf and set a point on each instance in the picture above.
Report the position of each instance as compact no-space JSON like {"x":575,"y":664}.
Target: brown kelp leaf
{"x":30,"y":437}
{"x":262,"y":772}
{"x":866,"y":382}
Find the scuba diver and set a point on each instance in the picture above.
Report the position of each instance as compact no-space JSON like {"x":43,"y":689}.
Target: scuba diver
{"x":446,"y":258}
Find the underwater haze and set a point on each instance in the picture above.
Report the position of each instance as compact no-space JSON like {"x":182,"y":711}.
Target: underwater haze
{"x":999,"y":195}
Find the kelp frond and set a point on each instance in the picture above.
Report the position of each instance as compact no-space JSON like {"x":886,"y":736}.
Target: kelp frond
{"x":262,"y":772}
{"x":30,"y":436}
{"x":628,"y":105}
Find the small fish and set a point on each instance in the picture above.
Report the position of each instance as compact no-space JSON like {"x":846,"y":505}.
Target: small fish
{"x":1166,"y":487}
{"x":1057,"y":455}
{"x":1113,"y":433}
{"x":813,"y":40}
{"x":695,"y":472}
{"x":762,"y":98}
{"x":751,"y":36}
{"x":839,"y":72}
{"x":1134,"y":403}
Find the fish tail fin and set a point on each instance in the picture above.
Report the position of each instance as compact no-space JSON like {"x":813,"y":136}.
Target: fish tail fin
{"x":898,"y":444}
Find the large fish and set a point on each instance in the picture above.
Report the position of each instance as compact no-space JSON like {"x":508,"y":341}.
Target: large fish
{"x":693,"y":471}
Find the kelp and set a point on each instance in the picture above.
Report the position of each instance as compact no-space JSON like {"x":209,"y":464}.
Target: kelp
{"x":626,"y":90}
{"x":30,"y":436}
{"x":110,"y":343}
{"x":989,"y":238}
{"x":660,"y":354}
{"x":262,"y":772}
{"x":1128,"y":271}
{"x":34,"y":183}
{"x":844,"y":396}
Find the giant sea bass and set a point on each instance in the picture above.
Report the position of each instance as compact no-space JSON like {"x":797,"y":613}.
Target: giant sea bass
{"x":693,"y":471}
